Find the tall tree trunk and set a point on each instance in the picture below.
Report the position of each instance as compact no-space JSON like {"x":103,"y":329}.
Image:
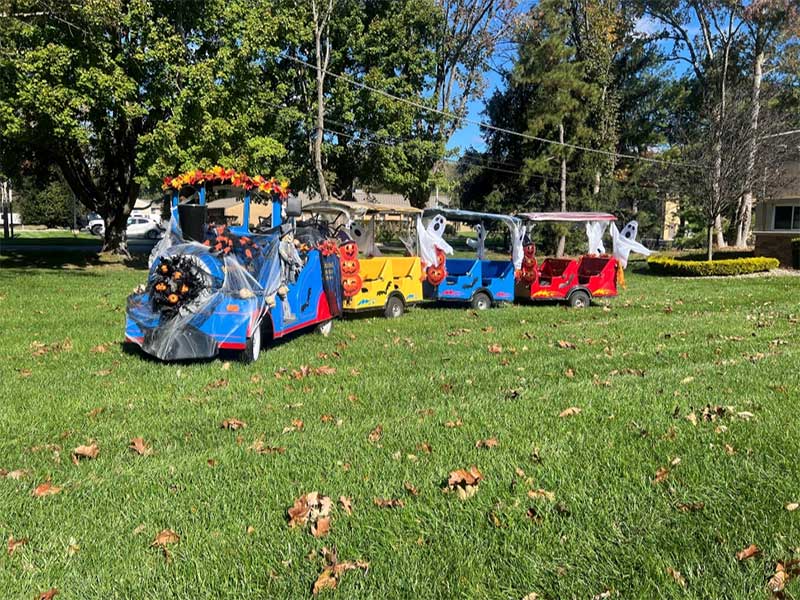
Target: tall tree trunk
{"x":562,"y":239}
{"x":710,"y":242}
{"x":744,"y":214}
{"x":320,"y":25}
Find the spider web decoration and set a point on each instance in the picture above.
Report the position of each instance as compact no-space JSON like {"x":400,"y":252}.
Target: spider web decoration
{"x":177,"y":281}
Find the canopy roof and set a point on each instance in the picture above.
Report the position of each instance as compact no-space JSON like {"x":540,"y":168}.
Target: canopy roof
{"x":359,"y":209}
{"x":569,"y":217}
{"x":468,"y":216}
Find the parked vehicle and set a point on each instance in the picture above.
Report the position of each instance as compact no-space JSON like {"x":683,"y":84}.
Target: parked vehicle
{"x":574,"y":280}
{"x":370,"y":281}
{"x":478,"y":281}
{"x":137,"y":227}
{"x":213,"y":288}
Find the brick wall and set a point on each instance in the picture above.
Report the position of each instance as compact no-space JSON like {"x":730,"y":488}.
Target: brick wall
{"x":775,"y":245}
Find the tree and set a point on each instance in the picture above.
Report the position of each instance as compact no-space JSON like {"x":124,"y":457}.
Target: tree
{"x":117,"y":94}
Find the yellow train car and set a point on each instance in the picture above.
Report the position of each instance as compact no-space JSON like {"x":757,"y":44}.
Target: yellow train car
{"x":371,"y":281}
{"x":390,"y":283}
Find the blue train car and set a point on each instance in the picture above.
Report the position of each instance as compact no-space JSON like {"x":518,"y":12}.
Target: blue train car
{"x":478,"y":281}
{"x":230,"y":288}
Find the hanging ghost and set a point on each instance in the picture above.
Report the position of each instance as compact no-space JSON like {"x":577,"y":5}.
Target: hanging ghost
{"x":625,"y":242}
{"x":595,"y":231}
{"x":429,"y":238}
{"x":480,"y":243}
{"x":518,"y":235}
{"x":363,"y":234}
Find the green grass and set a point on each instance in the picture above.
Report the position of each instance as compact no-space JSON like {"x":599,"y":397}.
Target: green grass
{"x":56,"y":238}
{"x":610,"y":526}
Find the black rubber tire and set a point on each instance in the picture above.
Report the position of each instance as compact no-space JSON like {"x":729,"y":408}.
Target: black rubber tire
{"x":580,"y":299}
{"x":481,"y":301}
{"x":395,"y":307}
{"x":152,"y":234}
{"x":252,"y":349}
{"x":96,"y":230}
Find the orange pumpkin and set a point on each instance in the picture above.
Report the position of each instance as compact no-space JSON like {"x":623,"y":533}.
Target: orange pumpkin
{"x":177,"y":275}
{"x":161,"y":286}
{"x":350,"y":266}
{"x":328,"y":248}
{"x":164,"y":268}
{"x":440,"y":257}
{"x":172,"y":298}
{"x":349,"y":251}
{"x":351,"y":284}
{"x":436,"y":274}
{"x":528,"y":264}
{"x":184,"y":288}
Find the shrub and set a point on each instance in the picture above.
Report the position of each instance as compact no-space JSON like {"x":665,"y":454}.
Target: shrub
{"x":664,"y":265}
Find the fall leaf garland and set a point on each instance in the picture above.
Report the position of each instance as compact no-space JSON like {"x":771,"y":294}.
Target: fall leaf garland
{"x":220,"y":176}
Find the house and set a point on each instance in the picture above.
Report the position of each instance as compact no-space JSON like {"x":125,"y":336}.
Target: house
{"x":778,"y":219}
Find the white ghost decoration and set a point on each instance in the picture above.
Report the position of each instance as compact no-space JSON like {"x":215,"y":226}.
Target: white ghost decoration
{"x":625,"y":244}
{"x":480,"y":243}
{"x":364,"y":236}
{"x":518,"y":233}
{"x":429,"y":238}
{"x":595,"y":231}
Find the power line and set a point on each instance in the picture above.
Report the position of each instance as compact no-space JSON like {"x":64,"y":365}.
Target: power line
{"x":484,"y":125}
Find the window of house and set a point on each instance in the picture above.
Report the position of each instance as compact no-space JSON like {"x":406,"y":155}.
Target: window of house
{"x":787,"y":217}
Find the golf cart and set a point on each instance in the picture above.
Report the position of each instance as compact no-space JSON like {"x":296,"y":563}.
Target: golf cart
{"x":576,"y":280}
{"x":213,"y":288}
{"x":478,"y":281}
{"x":372,"y":281}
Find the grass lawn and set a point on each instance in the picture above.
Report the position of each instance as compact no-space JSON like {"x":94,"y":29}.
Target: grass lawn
{"x":57,"y":238}
{"x":623,"y":492}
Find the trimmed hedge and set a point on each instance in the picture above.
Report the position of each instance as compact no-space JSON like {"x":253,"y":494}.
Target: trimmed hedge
{"x":665,"y":265}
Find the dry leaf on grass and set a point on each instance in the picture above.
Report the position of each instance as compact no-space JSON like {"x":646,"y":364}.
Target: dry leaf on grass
{"x":531,"y":596}
{"x":48,"y":595}
{"x":453,"y":424}
{"x":792,"y":506}
{"x":784,"y":572}
{"x":91,"y":451}
{"x":541,"y":493}
{"x":233,"y":424}
{"x":487,"y":443}
{"x":409,"y":487}
{"x":16,"y":474}
{"x":347,"y":504}
{"x":748,"y":552}
{"x":321,"y":527}
{"x":376,"y":434}
{"x":94,"y":412}
{"x":661,"y":475}
{"x":139,"y":446}
{"x":164,"y":538}
{"x":45,"y":489}
{"x":258,"y":446}
{"x":566,"y":345}
{"x":325,"y":370}
{"x":424,"y":447}
{"x":389,"y":503}
{"x":495,"y":349}
{"x":311,"y":508}
{"x":464,"y":482}
{"x":690,"y":506}
{"x":676,"y":575}
{"x":329,"y":578}
{"x":570,"y":412}
{"x":14,"y":544}
{"x":569,"y":373}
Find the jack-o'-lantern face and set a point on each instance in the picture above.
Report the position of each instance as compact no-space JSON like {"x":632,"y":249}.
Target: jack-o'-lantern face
{"x":440,"y":257}
{"x":161,"y":286}
{"x":328,"y":248}
{"x":351,"y":284}
{"x":529,"y":276}
{"x":348,"y":251}
{"x":530,"y":251}
{"x":350,"y":266}
{"x":528,"y":264}
{"x":436,"y":274}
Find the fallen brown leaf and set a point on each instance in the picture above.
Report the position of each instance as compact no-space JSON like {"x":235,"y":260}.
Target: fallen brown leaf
{"x":139,"y":446}
{"x":566,"y":345}
{"x":389,"y":503}
{"x":453,"y":424}
{"x":690,"y":506}
{"x":325,"y":370}
{"x":329,"y":578}
{"x":748,"y":552}
{"x":49,"y":594}
{"x":541,"y":493}
{"x":376,"y":434}
{"x":570,"y":412}
{"x":91,"y":451}
{"x":46,"y":489}
{"x":487,"y":443}
{"x":94,"y":412}
{"x":347,"y":504}
{"x":495,"y":349}
{"x":260,"y":447}
{"x":410,"y":488}
{"x":310,"y":507}
{"x":233,"y":424}
{"x":14,"y":544}
{"x":164,"y":538}
{"x":661,"y":474}
{"x":792,"y":506}
{"x":676,"y":575}
{"x":464,"y":482}
{"x":425,"y":447}
{"x":321,"y":528}
{"x":569,"y":373}
{"x":16,"y":474}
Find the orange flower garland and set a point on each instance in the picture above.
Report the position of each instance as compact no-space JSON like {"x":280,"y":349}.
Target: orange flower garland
{"x":220,"y":176}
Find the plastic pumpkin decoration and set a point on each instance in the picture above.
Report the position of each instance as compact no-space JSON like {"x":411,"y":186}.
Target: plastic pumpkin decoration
{"x":350,"y":266}
{"x":177,"y":275}
{"x":172,"y":298}
{"x":348,"y":251}
{"x":328,"y":248}
{"x":164,"y":268}
{"x":436,"y":274}
{"x":351,"y":284}
{"x":530,"y":251}
{"x":161,"y":286}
